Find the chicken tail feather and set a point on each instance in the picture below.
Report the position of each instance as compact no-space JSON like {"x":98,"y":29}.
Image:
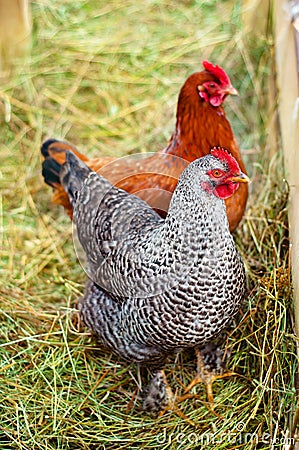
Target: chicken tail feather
{"x":50,"y":172}
{"x":53,"y":148}
{"x":54,"y":152}
{"x":72,"y":175}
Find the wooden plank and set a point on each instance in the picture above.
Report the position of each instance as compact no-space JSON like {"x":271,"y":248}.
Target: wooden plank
{"x":288,"y":86}
{"x":287,"y":62}
{"x":256,"y":21}
{"x":255,"y":16}
{"x":15,"y":31}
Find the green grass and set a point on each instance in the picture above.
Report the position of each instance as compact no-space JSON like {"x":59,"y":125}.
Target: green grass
{"x":106,"y":77}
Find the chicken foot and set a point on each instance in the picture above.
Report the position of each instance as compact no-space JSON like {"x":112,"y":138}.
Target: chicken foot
{"x":207,"y":376}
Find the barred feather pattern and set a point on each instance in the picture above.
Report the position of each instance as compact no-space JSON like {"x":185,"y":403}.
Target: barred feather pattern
{"x":156,"y":286}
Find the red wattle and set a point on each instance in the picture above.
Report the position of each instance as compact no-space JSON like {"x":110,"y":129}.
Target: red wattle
{"x":216,"y":100}
{"x":226,"y":190}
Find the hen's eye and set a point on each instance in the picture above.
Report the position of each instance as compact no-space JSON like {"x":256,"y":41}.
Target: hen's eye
{"x":217,"y":173}
{"x":212,"y":85}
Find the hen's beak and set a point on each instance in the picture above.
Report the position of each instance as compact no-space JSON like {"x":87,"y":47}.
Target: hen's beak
{"x":230,"y":90}
{"x":241,"y":178}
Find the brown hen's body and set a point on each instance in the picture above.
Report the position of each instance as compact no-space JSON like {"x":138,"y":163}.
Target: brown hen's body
{"x":200,"y":125}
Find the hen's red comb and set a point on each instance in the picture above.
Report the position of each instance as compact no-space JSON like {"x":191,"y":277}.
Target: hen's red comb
{"x":217,"y":71}
{"x":224,"y":155}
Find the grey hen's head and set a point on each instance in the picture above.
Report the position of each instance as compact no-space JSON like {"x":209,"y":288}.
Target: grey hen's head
{"x":217,"y":174}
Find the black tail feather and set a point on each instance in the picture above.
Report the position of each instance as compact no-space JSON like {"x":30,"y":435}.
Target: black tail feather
{"x":70,"y":174}
{"x":50,"y":171}
{"x":45,"y":146}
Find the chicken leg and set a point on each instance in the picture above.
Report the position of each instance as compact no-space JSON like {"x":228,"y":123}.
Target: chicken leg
{"x":159,"y":398}
{"x":208,"y":376}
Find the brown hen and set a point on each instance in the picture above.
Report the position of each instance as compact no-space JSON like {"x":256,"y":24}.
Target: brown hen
{"x":200,"y":125}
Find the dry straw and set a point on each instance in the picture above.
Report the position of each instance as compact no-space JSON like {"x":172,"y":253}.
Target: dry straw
{"x":106,"y":77}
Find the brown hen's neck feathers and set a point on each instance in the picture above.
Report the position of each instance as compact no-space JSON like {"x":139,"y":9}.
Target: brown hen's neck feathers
{"x":199,"y":125}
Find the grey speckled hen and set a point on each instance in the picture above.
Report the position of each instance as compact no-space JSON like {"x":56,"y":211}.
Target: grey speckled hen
{"x":158,"y":286}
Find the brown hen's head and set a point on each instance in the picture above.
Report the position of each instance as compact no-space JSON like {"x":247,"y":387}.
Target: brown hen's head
{"x":216,"y":91}
{"x":212,"y":85}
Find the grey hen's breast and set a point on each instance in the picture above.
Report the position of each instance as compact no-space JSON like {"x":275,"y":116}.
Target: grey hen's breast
{"x":191,"y":313}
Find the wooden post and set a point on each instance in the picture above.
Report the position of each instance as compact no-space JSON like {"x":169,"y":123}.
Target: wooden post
{"x":256,"y":21}
{"x":15,"y":31}
{"x":287,"y":65}
{"x":255,"y":16}
{"x":288,"y":86}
